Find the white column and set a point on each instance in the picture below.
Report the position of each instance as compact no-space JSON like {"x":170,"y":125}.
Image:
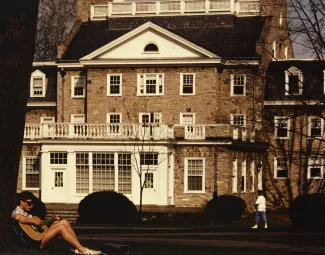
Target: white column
{"x":134,"y":8}
{"x":45,"y":184}
{"x":70,"y":180}
{"x":109,"y":11}
{"x":182,"y":5}
{"x":157,"y":7}
{"x":207,"y":6}
{"x":171,"y":173}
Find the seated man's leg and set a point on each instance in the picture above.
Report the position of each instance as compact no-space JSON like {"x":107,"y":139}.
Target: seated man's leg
{"x":62,"y":230}
{"x":67,"y":225}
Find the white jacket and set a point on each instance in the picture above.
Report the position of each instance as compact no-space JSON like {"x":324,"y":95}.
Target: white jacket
{"x":261,"y":204}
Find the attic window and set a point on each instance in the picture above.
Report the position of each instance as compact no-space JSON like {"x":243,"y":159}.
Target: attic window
{"x":151,"y":47}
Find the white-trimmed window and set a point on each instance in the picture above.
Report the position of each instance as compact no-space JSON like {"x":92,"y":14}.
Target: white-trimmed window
{"x":281,"y":168}
{"x":187,"y":118}
{"x":150,"y":118}
{"x":58,"y":158}
{"x":103,"y":171}
{"x":187,"y":83}
{"x":37,"y":84}
{"x":274,"y":49}
{"x":238,"y":119}
{"x":315,"y":126}
{"x":114,"y":119}
{"x":234,"y":176}
{"x":151,"y":84}
{"x":280,"y":19}
{"x":47,"y":120}
{"x":286,"y":52}
{"x":114,"y":85}
{"x":293,"y":81}
{"x":149,"y":158}
{"x":31,"y":172}
{"x":151,"y":48}
{"x":282,"y":127}
{"x":238,"y":85}
{"x":315,"y":168}
{"x":78,"y":85}
{"x":260,"y":176}
{"x":243,"y":177}
{"x":78,"y":118}
{"x":252,"y":176}
{"x":194,"y":175}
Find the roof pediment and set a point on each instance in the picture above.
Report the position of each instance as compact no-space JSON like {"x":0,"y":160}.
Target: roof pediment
{"x":133,"y":45}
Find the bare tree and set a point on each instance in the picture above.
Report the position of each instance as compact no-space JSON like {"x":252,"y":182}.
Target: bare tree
{"x":55,"y":19}
{"x":147,"y":154}
{"x":306,"y":23}
{"x":17,"y":44}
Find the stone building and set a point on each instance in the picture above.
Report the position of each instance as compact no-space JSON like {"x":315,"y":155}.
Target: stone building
{"x":168,"y":91}
{"x":294,"y":126}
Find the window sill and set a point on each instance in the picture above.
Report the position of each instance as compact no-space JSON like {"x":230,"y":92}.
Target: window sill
{"x":281,"y":178}
{"x":34,"y":189}
{"x":114,"y":95}
{"x":194,"y":192}
{"x":150,"y":95}
{"x":281,"y":138}
{"x":36,"y":96}
{"x":187,"y":94}
{"x":77,"y":97}
{"x":315,"y":178}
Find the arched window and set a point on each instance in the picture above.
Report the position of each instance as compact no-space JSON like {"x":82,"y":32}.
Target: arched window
{"x":151,"y":47}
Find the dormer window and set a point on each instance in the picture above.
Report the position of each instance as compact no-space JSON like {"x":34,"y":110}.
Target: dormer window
{"x":151,"y":47}
{"x":293,"y":81}
{"x":37,"y":84}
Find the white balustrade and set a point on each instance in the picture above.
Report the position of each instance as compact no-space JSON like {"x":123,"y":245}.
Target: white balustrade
{"x":32,"y":131}
{"x":194,"y":132}
{"x":134,"y":131}
{"x":247,"y":7}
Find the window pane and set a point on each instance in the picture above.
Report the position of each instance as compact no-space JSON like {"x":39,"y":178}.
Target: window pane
{"x":148,"y":180}
{"x":194,"y":182}
{"x":58,"y":158}
{"x":124,"y":173}
{"x":82,"y":173}
{"x":148,"y":159}
{"x":103,"y":171}
{"x":282,"y":173}
{"x":293,"y":84}
{"x":32,"y":173}
{"x":115,"y":82}
{"x":315,"y":172}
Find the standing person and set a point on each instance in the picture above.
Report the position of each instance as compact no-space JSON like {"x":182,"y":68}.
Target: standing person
{"x":260,"y":206}
{"x":58,"y":227}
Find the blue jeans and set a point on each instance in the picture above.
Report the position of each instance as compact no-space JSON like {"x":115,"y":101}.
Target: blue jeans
{"x":258,"y":215}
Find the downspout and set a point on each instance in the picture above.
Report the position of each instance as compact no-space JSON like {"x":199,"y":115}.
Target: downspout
{"x":62,"y":73}
{"x":85,"y":73}
{"x":215,"y":176}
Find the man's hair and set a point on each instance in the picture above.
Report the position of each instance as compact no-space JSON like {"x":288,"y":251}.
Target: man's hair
{"x":25,"y":195}
{"x":260,"y":192}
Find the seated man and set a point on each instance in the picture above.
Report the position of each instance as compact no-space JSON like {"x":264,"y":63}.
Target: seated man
{"x":59,"y":227}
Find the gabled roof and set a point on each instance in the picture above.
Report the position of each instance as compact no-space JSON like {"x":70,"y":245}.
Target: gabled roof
{"x":224,"y":35}
{"x":147,"y":27}
{"x":313,"y":72}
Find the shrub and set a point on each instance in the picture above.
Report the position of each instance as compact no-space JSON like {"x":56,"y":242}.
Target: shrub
{"x":307,"y":212}
{"x":106,"y":207}
{"x":225,"y":208}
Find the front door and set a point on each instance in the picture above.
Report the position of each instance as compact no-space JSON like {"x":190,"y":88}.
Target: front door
{"x":150,"y":187}
{"x":59,"y":185}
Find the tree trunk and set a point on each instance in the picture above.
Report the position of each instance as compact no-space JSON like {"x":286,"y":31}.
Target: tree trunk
{"x":17,"y":44}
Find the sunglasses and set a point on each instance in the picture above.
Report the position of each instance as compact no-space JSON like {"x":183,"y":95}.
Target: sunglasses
{"x":30,"y":203}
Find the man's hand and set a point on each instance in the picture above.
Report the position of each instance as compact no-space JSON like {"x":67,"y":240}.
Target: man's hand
{"x":37,"y":221}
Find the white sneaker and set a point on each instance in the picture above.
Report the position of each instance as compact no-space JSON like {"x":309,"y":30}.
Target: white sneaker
{"x":255,"y":226}
{"x":90,"y":252}
{"x":75,"y":251}
{"x":265,"y":226}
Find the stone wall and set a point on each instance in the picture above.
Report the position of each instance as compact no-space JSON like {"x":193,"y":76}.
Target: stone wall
{"x":212,"y":102}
